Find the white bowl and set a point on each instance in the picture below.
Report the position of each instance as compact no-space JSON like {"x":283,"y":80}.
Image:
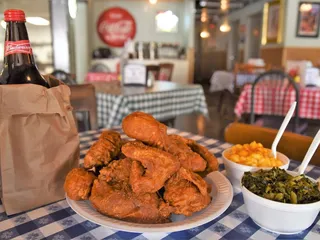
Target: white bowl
{"x":282,"y":218}
{"x":235,"y":171}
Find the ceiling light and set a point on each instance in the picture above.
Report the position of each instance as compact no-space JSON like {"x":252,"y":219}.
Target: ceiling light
{"x":203,"y":3}
{"x":225,"y":27}
{"x":224,"y":5}
{"x":204,"y":15}
{"x":72,"y":6}
{"x":305,"y":7}
{"x":204,"y":34}
{"x":38,"y":21}
{"x":3,"y":24}
{"x":153,"y":1}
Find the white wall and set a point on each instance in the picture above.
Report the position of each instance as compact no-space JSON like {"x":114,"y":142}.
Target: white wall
{"x":247,"y":11}
{"x":189,"y":23}
{"x":144,"y":14}
{"x":290,"y":31}
{"x":243,"y":16}
{"x":290,"y":23}
{"x":82,"y":54}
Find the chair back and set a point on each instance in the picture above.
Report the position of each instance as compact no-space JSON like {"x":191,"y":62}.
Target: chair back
{"x":274,"y":87}
{"x":64,"y":77}
{"x":166,"y":71}
{"x":153,"y":69}
{"x":83,"y":99}
{"x":222,"y":80}
{"x":293,"y":145}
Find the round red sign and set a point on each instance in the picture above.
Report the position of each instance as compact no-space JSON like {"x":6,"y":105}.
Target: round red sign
{"x":115,"y":26}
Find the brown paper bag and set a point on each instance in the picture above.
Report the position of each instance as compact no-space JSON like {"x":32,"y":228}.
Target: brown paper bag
{"x":39,"y":144}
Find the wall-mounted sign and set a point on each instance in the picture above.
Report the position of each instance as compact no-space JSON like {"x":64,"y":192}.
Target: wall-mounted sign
{"x":115,"y":26}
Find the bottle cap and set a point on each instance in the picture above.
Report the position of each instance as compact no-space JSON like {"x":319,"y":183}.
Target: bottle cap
{"x":14,"y":15}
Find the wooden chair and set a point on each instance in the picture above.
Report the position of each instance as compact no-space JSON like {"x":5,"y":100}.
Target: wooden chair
{"x":166,"y":71}
{"x":83,"y":99}
{"x":293,"y":145}
{"x":154,"y":69}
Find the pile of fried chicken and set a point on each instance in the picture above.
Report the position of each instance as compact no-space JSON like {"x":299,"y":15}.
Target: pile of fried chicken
{"x":145,"y":180}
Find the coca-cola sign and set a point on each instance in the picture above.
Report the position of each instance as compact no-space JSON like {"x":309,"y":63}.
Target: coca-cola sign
{"x":115,"y":26}
{"x":12,"y":47}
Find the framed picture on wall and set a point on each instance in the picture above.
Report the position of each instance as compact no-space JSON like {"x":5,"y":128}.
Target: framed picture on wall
{"x":273,"y":13}
{"x":308,"y":19}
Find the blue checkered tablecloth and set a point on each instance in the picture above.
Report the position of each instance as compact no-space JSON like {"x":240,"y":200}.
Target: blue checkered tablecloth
{"x":163,"y":105}
{"x":242,"y":79}
{"x":58,"y":221}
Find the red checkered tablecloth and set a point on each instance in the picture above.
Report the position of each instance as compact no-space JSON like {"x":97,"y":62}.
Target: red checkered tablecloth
{"x":277,"y":101}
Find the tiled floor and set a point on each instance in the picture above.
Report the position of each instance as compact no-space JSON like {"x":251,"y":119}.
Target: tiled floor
{"x":214,"y":127}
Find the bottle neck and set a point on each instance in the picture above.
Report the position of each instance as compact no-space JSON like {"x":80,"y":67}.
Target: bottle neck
{"x":17,"y":46}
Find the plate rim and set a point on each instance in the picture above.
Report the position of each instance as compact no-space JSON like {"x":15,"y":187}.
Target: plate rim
{"x":152,"y":228}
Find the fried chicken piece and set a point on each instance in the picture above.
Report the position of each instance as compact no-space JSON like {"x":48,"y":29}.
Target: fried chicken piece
{"x":212,"y":161}
{"x":187,"y":192}
{"x":117,"y":171}
{"x":159,"y":167}
{"x":104,"y":150}
{"x":145,"y":128}
{"x":113,"y":196}
{"x":78,"y":184}
{"x":188,"y":158}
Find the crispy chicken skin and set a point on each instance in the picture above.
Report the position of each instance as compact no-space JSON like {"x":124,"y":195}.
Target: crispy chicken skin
{"x":145,"y":128}
{"x":212,"y":161}
{"x":113,"y":196}
{"x":152,"y":168}
{"x":143,"y":180}
{"x":187,"y":192}
{"x":188,"y":158}
{"x":104,"y":150}
{"x":78,"y":184}
{"x":117,"y":171}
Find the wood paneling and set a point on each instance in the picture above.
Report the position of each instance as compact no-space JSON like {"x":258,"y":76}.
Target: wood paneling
{"x":240,"y":58}
{"x":310,"y":54}
{"x":212,"y":61}
{"x":272,"y":56}
{"x":278,"y":56}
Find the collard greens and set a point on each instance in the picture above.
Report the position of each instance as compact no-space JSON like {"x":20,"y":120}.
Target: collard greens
{"x":276,"y":184}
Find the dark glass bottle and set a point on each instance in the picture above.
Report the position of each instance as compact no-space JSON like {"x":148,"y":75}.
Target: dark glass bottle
{"x":19,"y":66}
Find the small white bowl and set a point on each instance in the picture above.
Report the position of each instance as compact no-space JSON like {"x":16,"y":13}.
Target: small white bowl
{"x":282,"y":218}
{"x":235,"y":171}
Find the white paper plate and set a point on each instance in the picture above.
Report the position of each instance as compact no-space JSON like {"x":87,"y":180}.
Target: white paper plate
{"x":221,"y":193}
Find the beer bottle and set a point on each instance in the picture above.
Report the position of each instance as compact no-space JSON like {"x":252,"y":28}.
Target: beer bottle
{"x":18,"y":66}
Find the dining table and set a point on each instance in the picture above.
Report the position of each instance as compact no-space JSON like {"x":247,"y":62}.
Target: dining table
{"x":270,"y":100}
{"x":164,"y":100}
{"x":57,"y":221}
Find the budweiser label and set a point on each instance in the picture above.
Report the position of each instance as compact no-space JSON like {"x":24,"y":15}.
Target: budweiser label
{"x":22,"y":46}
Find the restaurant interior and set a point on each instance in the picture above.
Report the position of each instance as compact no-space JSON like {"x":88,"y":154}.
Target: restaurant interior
{"x":224,"y":78}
